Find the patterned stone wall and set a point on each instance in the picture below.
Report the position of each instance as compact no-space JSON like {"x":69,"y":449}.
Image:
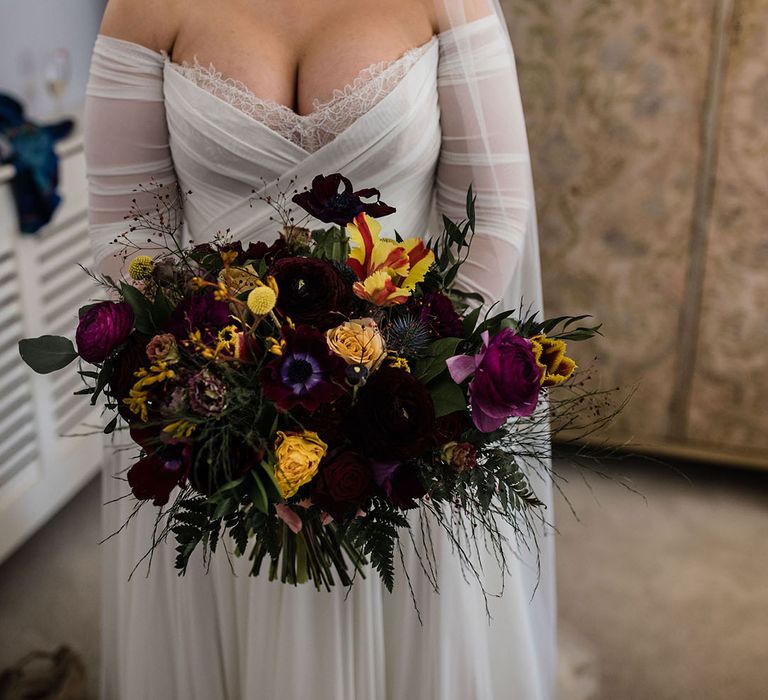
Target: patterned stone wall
{"x":729,"y":398}
{"x":618,"y":95}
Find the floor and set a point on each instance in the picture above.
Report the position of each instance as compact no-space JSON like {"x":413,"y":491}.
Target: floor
{"x":663,"y":584}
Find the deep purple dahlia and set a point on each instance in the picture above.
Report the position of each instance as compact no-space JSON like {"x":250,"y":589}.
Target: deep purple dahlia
{"x":102,"y":328}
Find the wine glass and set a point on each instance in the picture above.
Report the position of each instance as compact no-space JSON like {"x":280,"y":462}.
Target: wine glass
{"x":58,"y":74}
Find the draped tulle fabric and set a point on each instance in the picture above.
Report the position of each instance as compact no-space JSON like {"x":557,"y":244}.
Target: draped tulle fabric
{"x":220,"y":634}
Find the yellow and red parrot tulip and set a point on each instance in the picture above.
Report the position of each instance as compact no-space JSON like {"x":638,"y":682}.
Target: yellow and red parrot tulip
{"x":387,"y":271}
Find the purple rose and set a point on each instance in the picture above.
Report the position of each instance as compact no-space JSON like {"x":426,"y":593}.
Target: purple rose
{"x":102,"y":328}
{"x":507,"y":379}
{"x":400,"y":483}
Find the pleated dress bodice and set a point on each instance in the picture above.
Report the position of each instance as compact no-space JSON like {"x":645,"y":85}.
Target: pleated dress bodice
{"x":226,"y":157}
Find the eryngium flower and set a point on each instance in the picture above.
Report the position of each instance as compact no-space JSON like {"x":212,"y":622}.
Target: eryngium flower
{"x":102,"y":328}
{"x":394,"y":416}
{"x":325,"y":202}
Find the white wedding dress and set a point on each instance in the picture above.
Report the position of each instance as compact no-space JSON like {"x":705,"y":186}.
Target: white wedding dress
{"x":222,"y":635}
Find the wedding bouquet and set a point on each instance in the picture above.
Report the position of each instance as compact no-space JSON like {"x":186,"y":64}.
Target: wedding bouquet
{"x":296,"y":399}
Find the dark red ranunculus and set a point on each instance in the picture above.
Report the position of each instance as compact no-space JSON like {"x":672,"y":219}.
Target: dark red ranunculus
{"x":312,"y":291}
{"x":400,"y":482}
{"x":329,"y":421}
{"x":343,"y":484}
{"x":394,"y":416}
{"x":324,"y":201}
{"x":102,"y":328}
{"x":155,"y":476}
{"x":438,"y":314}
{"x":307,"y":374}
{"x":198,"y":312}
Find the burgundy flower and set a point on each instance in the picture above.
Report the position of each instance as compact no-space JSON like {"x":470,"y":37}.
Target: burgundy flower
{"x":438,"y":314}
{"x":325,"y":202}
{"x":206,"y":393}
{"x":131,"y":358}
{"x":400,"y":483}
{"x":307,"y":374}
{"x":329,"y":421}
{"x":450,"y":427}
{"x":312,"y":291}
{"x":343,"y":484}
{"x":506,"y":379}
{"x":394,"y":416}
{"x":155,"y":477}
{"x":462,"y":456}
{"x":198,"y":312}
{"x":102,"y":328}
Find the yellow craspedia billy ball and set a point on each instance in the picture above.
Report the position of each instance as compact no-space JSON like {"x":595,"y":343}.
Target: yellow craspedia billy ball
{"x":141,"y":267}
{"x":261,"y":300}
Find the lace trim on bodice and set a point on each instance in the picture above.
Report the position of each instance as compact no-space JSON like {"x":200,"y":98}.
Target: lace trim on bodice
{"x":327,"y":119}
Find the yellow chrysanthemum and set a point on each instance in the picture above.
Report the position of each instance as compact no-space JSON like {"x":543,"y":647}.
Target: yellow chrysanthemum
{"x":261,"y":300}
{"x":551,"y":358}
{"x":298,"y":459}
{"x":141,"y":267}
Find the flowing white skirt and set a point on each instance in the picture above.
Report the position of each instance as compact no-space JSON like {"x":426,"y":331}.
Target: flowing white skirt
{"x":223,"y":635}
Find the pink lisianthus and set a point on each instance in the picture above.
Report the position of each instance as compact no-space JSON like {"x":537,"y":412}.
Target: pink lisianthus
{"x":506,"y":379}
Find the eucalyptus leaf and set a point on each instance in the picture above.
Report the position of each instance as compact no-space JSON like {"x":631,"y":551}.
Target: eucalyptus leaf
{"x":48,"y":353}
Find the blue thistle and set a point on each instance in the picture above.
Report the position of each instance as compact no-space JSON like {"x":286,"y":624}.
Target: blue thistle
{"x":407,"y":335}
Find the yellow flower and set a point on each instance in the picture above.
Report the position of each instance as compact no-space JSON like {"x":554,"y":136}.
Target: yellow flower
{"x":227,"y":340}
{"x":239,"y":279}
{"x":551,"y":358}
{"x":261,"y":300}
{"x":228,"y":257}
{"x":298,"y":459}
{"x":398,"y":362}
{"x":137,"y":403}
{"x":141,"y":267}
{"x":180,"y":428}
{"x":357,"y":342}
{"x":387,"y":271}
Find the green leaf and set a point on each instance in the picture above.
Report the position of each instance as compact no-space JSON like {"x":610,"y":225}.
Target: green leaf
{"x":110,"y":427}
{"x":471,"y":207}
{"x":259,"y":494}
{"x":470,"y":320}
{"x":104,"y":376}
{"x":447,"y":396}
{"x":433,"y":363}
{"x":142,"y":309}
{"x":48,"y":353}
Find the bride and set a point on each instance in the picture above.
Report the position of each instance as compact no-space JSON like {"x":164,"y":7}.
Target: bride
{"x":227,"y":97}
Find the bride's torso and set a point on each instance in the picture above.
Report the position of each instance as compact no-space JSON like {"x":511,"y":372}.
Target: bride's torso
{"x":255,"y":108}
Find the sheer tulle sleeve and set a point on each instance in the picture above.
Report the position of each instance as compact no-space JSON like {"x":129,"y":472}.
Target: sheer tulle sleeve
{"x":484,"y":143}
{"x":126,"y":143}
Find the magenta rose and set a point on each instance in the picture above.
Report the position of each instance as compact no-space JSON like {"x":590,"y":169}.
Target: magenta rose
{"x":102,"y":328}
{"x":506,"y":380}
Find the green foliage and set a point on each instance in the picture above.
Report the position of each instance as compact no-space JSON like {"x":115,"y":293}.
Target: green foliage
{"x":48,"y":353}
{"x":432,"y":363}
{"x":530,"y":327}
{"x":193,"y":525}
{"x":375,"y":536}
{"x":331,"y":244}
{"x":150,"y":316}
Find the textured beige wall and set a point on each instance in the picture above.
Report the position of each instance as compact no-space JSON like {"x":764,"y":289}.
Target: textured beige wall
{"x":729,"y":398}
{"x":622,"y":111}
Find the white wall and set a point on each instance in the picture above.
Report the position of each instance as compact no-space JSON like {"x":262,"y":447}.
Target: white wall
{"x":29,"y":31}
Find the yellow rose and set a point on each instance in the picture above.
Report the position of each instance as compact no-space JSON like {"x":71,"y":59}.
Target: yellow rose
{"x":298,"y":458}
{"x":357,"y":342}
{"x":551,"y":358}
